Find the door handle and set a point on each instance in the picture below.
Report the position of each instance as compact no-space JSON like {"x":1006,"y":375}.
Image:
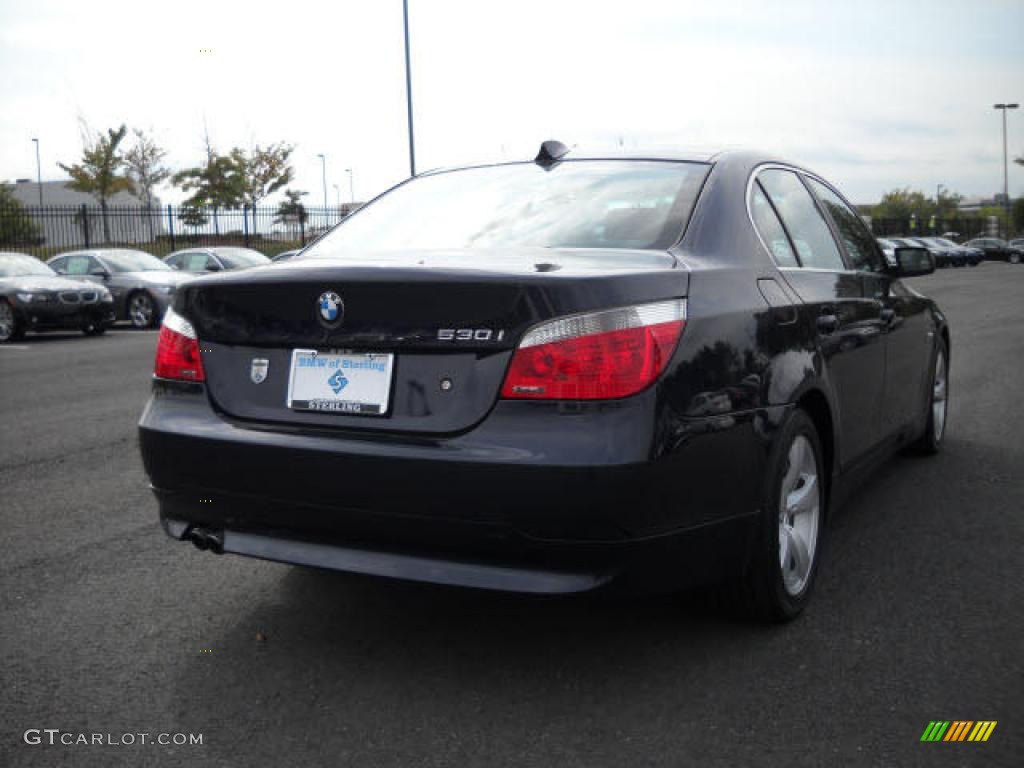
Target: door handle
{"x":828,"y":324}
{"x":888,"y":316}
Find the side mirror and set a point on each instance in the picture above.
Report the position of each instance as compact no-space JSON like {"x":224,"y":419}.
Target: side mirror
{"x":913,"y":262}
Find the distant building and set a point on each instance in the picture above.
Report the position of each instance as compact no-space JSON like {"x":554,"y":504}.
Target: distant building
{"x":60,"y":219}
{"x":976,"y":203}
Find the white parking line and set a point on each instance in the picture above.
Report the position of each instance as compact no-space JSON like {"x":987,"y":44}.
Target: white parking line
{"x":14,"y":346}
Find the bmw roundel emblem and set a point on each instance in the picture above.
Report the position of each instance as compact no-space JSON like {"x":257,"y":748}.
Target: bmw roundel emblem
{"x":331,"y":309}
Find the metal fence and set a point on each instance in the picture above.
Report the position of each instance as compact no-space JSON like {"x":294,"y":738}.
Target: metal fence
{"x":46,"y":230}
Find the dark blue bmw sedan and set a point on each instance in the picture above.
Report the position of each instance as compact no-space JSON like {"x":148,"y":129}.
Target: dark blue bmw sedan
{"x":638,"y":371}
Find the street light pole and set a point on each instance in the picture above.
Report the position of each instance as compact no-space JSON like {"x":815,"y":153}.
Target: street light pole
{"x":351,"y":186}
{"x":323,"y":171}
{"x":1006,"y":179}
{"x":39,"y":173}
{"x":408,"y":88}
{"x":337,"y":195}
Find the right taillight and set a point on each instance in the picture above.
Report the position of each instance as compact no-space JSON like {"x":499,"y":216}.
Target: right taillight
{"x":177,"y":350}
{"x":596,"y":356}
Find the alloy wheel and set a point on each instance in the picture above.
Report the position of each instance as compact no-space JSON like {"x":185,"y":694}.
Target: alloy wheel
{"x":6,"y":321}
{"x":140,"y":310}
{"x":939,"y":395}
{"x":799,"y":515}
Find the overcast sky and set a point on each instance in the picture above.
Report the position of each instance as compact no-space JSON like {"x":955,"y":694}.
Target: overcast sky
{"x":873,"y":95}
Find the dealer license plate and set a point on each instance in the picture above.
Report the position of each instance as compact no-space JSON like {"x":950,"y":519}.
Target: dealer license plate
{"x":340,"y":382}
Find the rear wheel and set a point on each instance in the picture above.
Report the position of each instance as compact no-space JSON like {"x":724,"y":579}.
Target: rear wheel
{"x":141,"y":310}
{"x":938,"y":404}
{"x":94,"y":329}
{"x":784,"y":564}
{"x":10,"y":326}
{"x":1014,"y":258}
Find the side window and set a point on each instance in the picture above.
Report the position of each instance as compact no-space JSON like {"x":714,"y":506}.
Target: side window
{"x":770,"y":228}
{"x":860,"y":245}
{"x":58,"y":265}
{"x":195,"y":262}
{"x":811,"y":236}
{"x":78,"y":264}
{"x":174,"y":262}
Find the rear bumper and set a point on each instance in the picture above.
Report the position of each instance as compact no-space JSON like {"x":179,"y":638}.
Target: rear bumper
{"x":591,"y":502}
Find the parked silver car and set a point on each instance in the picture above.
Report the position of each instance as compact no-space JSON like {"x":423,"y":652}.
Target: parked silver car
{"x":141,"y":284}
{"x":215,"y":259}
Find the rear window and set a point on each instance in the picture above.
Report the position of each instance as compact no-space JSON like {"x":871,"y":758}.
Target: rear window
{"x":133,"y":261}
{"x":237,"y":258}
{"x":576,"y":204}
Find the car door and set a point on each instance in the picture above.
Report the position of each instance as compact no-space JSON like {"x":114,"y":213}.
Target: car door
{"x":846,"y":322}
{"x":907,"y":325}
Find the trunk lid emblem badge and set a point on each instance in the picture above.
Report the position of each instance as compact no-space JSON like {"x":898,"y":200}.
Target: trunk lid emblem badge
{"x":331,"y":308}
{"x":259,"y":369}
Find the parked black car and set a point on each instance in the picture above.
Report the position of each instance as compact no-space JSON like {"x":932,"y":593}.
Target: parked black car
{"x":216,"y":259}
{"x":943,"y":257}
{"x":34,"y":298}
{"x":552,"y":376}
{"x":141,"y":284}
{"x":957,"y":255}
{"x":998,"y":249}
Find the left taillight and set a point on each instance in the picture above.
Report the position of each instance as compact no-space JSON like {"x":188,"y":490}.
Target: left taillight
{"x":596,"y":356}
{"x":177,"y":350}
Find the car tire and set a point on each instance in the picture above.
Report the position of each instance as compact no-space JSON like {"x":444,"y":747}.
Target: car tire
{"x":1013,"y":258}
{"x":94,"y":329}
{"x":10,"y":326}
{"x":142,"y":310}
{"x":938,"y":403}
{"x":778,"y":581}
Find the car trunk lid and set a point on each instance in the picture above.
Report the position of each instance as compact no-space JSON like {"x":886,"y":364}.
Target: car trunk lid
{"x":450,"y":321}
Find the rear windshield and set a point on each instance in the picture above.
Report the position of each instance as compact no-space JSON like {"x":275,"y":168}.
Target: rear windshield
{"x":237,"y":258}
{"x":133,"y":261}
{"x":576,"y":204}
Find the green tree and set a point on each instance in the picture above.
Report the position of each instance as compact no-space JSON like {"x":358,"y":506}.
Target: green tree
{"x":264,"y":171}
{"x":220,"y":183}
{"x":100,"y":172}
{"x":291,"y":211}
{"x":1018,"y":214}
{"x":193,"y":216}
{"x":146,"y":169}
{"x":903,"y":204}
{"x":16,"y":226}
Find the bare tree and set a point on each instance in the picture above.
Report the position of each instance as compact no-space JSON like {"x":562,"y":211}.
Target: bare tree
{"x":146,"y":169}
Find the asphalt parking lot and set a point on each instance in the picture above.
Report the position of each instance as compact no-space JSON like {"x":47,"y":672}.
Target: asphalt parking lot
{"x":108,"y":627}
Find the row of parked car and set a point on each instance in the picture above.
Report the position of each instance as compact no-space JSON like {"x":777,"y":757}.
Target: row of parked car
{"x":90,"y":290}
{"x":949,"y":254}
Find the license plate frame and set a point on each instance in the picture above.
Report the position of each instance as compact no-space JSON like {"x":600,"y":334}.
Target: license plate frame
{"x":363,"y":389}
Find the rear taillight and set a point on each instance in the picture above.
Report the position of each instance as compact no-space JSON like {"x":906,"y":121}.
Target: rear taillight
{"x":596,"y":356}
{"x":177,"y":350}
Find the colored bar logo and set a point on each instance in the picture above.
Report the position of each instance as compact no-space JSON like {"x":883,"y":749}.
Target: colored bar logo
{"x":958,"y":730}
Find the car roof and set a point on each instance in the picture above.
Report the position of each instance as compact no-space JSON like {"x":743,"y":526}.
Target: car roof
{"x":670,"y":152}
